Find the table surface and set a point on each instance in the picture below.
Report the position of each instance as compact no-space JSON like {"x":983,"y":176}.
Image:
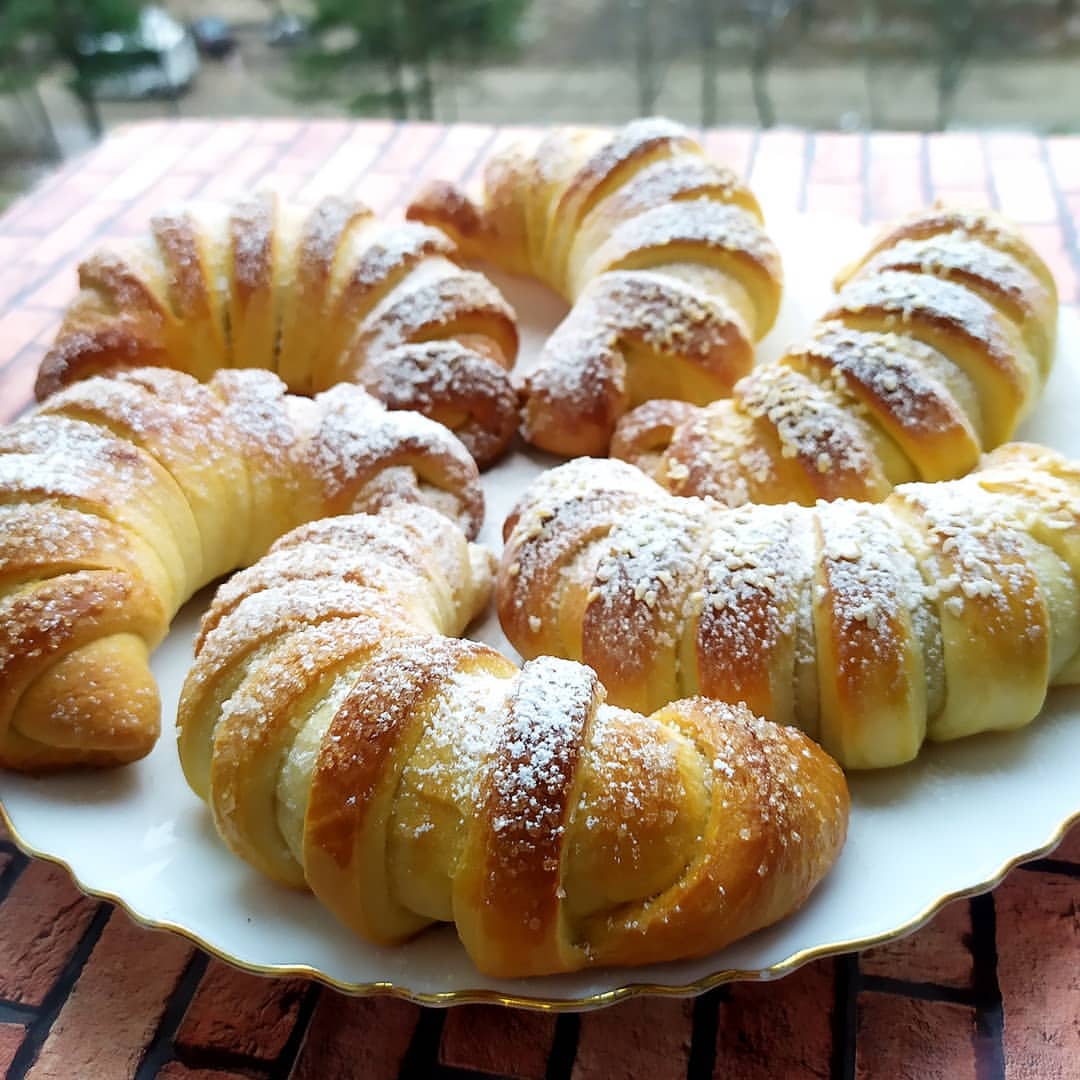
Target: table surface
{"x":990,"y":988}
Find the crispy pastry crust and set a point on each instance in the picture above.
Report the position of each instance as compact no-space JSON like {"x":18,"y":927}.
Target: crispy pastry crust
{"x":346,"y":739}
{"x":661,"y":253}
{"x":938,"y":344}
{"x":946,"y":610}
{"x":319,"y":295}
{"x":123,"y":496}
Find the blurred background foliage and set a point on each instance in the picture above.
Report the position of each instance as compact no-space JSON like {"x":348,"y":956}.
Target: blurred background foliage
{"x":378,"y":56}
{"x":71,"y":68}
{"x":36,"y":34}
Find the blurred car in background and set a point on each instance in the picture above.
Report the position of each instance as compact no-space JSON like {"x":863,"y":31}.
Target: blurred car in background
{"x":286,"y":30}
{"x":156,"y":59}
{"x":213,"y":36}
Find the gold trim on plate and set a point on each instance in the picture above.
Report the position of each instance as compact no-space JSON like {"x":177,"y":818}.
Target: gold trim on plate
{"x":592,"y":1001}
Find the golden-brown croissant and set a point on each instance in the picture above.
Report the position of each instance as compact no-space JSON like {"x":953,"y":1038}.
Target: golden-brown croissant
{"x":661,"y":252}
{"x":320,"y":295}
{"x":344,"y":741}
{"x":938,"y":344}
{"x":122,"y":496}
{"x":946,"y":610}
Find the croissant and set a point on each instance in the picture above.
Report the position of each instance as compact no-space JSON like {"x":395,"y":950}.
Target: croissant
{"x":122,"y":496}
{"x":662,"y":254}
{"x":319,"y":295}
{"x":346,"y":739}
{"x":938,"y":344}
{"x":946,"y":610}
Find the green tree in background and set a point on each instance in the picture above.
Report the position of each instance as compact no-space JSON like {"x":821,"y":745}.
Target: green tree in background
{"x":34,"y":33}
{"x":378,"y":55}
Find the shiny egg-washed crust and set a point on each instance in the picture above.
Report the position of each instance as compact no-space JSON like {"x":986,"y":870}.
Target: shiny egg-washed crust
{"x":661,"y":253}
{"x":946,"y":610}
{"x":938,"y":344}
{"x":122,"y":496}
{"x":346,"y":739}
{"x":320,"y":295}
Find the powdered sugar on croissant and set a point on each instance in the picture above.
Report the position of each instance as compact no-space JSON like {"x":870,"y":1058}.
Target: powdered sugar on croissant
{"x":122,"y":496}
{"x":319,"y":295}
{"x":947,"y":609}
{"x":938,"y":344}
{"x":345,"y":739}
{"x":661,"y":252}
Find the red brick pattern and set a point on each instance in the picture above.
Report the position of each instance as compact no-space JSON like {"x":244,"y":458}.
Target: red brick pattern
{"x":11,"y":1038}
{"x":640,"y":1038}
{"x":940,"y":954}
{"x":177,"y":1070}
{"x":1041,"y":1001}
{"x":778,"y":1029}
{"x":258,"y":1025}
{"x":488,"y":1039}
{"x":905,"y":1037}
{"x":990,"y":988}
{"x":44,"y":918}
{"x":349,"y":1037}
{"x":115,"y":1006}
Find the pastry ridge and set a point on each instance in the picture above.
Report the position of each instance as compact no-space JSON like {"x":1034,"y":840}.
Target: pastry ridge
{"x":409,"y":777}
{"x":123,"y":496}
{"x":938,"y":344}
{"x":662,"y":254}
{"x":247,"y":284}
{"x":945,"y":610}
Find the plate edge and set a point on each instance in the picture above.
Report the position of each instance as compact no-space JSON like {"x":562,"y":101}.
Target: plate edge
{"x":444,"y":999}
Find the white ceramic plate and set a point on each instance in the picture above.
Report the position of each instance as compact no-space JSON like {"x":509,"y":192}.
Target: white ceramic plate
{"x":948,"y":825}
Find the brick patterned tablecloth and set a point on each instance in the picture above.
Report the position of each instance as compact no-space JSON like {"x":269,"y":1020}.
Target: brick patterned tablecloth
{"x":990,"y":988}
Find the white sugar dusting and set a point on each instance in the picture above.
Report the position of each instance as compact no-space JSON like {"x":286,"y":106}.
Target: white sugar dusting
{"x":252,"y":228}
{"x":326,"y":227}
{"x":462,"y":733}
{"x":851,"y":403}
{"x":356,"y":434}
{"x":626,"y":143}
{"x":913,"y":383}
{"x":910,"y":297}
{"x":717,"y":226}
{"x":755,"y":573}
{"x":960,"y":252}
{"x":749,"y":575}
{"x":811,"y":423}
{"x":385,"y":254}
{"x":665,"y":181}
{"x":423,"y":307}
{"x":584,"y":364}
{"x":534,"y":764}
{"x":647,"y":566}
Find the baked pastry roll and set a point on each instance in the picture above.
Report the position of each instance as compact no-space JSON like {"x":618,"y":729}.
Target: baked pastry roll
{"x":938,"y":344}
{"x":123,"y":496}
{"x":661,"y":252}
{"x":946,"y":610}
{"x":347,"y":740}
{"x":320,"y":295}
